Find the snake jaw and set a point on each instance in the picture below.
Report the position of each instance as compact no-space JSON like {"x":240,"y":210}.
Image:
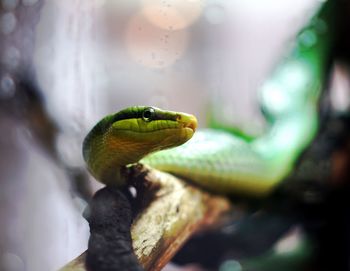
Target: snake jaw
{"x":188,"y":121}
{"x":192,"y":126}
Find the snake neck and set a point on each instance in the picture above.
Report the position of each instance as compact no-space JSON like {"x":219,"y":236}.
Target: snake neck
{"x":106,"y":166}
{"x":106,"y":157}
{"x":103,"y":161}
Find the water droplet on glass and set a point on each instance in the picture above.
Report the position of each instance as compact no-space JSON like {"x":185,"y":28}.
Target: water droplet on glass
{"x":10,"y":57}
{"x":9,"y":4}
{"x":29,"y":2}
{"x":161,"y":47}
{"x":8,"y":23}
{"x":7,"y":87}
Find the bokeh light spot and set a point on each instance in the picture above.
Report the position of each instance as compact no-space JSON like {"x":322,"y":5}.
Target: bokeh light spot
{"x":7,"y":87}
{"x":231,"y":265}
{"x":151,"y":46}
{"x":11,"y":57}
{"x":172,"y":14}
{"x":290,"y":242}
{"x":308,"y":38}
{"x":8,"y":23}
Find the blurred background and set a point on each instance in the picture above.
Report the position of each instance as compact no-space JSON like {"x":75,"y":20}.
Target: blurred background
{"x":67,"y":63}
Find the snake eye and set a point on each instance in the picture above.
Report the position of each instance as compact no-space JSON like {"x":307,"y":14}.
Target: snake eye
{"x":148,"y":113}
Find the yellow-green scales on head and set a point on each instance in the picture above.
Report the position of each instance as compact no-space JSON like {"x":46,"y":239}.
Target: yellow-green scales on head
{"x":127,"y":136}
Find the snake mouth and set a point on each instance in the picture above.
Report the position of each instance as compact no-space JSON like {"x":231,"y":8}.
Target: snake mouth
{"x":188,"y":121}
{"x":192,"y":126}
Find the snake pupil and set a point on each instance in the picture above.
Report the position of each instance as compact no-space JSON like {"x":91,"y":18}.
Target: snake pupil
{"x":147,"y":114}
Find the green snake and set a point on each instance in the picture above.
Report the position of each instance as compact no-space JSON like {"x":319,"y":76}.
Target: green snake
{"x":215,"y":159}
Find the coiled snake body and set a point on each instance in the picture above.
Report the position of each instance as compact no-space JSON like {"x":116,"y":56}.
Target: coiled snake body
{"x":218,"y":160}
{"x":214,"y":159}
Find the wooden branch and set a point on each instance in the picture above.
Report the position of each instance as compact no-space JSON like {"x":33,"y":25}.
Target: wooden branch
{"x":177,"y":211}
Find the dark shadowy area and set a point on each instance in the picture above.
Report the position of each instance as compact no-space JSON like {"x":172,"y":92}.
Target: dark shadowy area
{"x":110,"y":217}
{"x":248,"y":237}
{"x":328,"y":220}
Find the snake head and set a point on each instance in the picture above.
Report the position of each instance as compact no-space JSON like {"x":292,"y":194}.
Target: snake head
{"x":141,"y":130}
{"x":127,"y":136}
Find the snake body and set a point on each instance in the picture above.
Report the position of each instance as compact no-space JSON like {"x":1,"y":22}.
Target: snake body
{"x":216,"y":159}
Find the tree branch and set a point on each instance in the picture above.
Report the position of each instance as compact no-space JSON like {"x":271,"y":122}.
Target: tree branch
{"x":175,"y":210}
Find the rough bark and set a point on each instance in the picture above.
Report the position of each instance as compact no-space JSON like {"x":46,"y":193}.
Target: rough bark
{"x":172,"y":211}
